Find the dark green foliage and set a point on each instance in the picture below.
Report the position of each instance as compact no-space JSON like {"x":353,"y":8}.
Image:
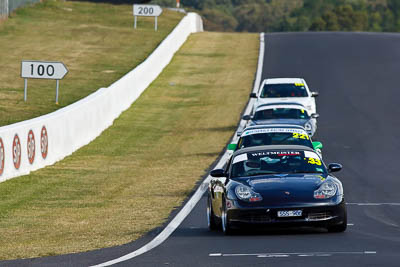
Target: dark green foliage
{"x":295,"y":15}
{"x":318,"y":25}
{"x":218,"y":20}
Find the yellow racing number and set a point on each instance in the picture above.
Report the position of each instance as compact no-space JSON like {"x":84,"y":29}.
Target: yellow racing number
{"x":314,"y":161}
{"x":300,"y":136}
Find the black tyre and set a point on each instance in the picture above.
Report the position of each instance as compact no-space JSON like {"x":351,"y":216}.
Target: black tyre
{"x":211,"y":220}
{"x":226,"y":225}
{"x":339,"y":227}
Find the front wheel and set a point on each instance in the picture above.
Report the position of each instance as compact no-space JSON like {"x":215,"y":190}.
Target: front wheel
{"x":212,"y":224}
{"x":226,"y":224}
{"x":339,"y":227}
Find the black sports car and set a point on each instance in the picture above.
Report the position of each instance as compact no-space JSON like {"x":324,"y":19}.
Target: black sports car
{"x":277,"y":185}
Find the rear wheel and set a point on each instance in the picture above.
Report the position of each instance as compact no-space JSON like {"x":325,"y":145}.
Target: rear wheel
{"x":211,"y":220}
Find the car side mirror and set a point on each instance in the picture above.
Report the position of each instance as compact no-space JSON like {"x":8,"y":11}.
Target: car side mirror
{"x":218,"y":173}
{"x":253,"y":95}
{"x":334,"y":167}
{"x":246,"y":117}
{"x":232,"y":147}
{"x":238,"y":133}
{"x":315,"y":115}
{"x":314,"y":94}
{"x":317,"y":145}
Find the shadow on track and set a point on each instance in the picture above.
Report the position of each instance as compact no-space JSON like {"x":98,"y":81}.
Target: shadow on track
{"x":259,"y":231}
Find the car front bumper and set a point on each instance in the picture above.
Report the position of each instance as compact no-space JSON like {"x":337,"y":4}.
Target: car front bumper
{"x":318,"y":215}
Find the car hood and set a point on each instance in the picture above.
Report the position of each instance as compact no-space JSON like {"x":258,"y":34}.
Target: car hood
{"x":300,"y":122}
{"x":285,"y":181}
{"x":286,"y":189}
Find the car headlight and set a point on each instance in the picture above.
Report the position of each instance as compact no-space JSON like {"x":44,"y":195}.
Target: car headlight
{"x":308,"y":126}
{"x":326,"y":190}
{"x":246,"y":194}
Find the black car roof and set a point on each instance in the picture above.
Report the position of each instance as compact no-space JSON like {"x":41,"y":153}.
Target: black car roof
{"x":272,"y":147}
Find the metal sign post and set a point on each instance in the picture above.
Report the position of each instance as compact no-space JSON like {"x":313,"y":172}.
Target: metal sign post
{"x":135,"y":21}
{"x":42,"y":70}
{"x":25,"y":88}
{"x":147,"y":11}
{"x":58,"y":86}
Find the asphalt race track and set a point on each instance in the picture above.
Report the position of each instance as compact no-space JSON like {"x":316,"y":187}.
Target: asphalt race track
{"x":358,"y":78}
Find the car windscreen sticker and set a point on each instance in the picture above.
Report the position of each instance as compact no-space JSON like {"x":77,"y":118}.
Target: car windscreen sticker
{"x":301,"y":136}
{"x":276,"y":153}
{"x":309,"y":154}
{"x":299,"y":84}
{"x":273,"y":130}
{"x":239,"y":158}
{"x":313,"y":161}
{"x":275,"y":107}
{"x":312,"y":158}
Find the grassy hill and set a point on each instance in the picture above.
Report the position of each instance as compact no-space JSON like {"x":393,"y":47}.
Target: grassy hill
{"x":96,"y":42}
{"x":128,"y":180}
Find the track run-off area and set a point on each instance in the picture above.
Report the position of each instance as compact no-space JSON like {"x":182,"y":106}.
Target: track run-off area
{"x":356,"y":75}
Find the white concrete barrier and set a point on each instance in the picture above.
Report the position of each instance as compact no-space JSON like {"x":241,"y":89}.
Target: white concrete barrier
{"x":33,"y":144}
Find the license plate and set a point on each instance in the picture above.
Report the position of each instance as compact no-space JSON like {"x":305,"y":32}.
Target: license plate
{"x":290,"y":213}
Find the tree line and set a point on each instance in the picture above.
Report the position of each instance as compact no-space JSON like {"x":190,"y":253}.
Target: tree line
{"x":295,"y":15}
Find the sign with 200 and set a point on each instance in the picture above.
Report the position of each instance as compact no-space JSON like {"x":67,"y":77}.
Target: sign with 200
{"x":147,"y":10}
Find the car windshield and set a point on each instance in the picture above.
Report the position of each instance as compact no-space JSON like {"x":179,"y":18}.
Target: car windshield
{"x":276,"y":162}
{"x":284,"y":90}
{"x":281,"y":113}
{"x":265,"y":139}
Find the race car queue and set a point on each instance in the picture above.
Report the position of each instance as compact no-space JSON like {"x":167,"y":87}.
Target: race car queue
{"x":275,"y":175}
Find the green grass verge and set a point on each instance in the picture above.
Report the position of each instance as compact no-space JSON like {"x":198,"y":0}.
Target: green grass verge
{"x":96,"y":42}
{"x":129,"y":179}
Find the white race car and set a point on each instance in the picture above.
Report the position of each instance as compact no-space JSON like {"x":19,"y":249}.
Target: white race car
{"x":286,"y":90}
{"x":284,"y":113}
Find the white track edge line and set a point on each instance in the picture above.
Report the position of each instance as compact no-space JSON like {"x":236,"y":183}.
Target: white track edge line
{"x":289,"y":253}
{"x":374,"y":204}
{"x":178,"y":219}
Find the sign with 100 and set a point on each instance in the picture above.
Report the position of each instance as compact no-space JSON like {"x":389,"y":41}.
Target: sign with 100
{"x":42,"y":70}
